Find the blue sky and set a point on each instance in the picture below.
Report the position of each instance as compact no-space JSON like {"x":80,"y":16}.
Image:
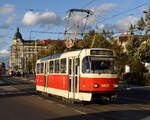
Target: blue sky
{"x":49,"y":16}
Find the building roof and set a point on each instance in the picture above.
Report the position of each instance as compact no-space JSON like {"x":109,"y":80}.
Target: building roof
{"x":49,"y":41}
{"x":17,"y":35}
{"x":122,"y":38}
{"x":42,"y":42}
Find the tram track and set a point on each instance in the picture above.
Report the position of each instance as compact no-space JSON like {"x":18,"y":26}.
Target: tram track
{"x":128,"y":100}
{"x":123,"y":102}
{"x":15,"y":87}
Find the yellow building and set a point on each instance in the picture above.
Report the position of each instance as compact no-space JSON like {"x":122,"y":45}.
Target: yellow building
{"x":22,"y":51}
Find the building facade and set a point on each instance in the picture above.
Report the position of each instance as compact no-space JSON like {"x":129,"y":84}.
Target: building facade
{"x":122,"y":40}
{"x":23,"y":51}
{"x":2,"y":68}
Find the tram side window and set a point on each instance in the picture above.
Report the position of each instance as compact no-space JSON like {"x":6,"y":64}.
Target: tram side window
{"x":42,"y":70}
{"x":63,"y":66}
{"x":38,"y":68}
{"x":86,"y":65}
{"x":51,"y":66}
{"x":56,"y":66}
{"x":70,"y":70}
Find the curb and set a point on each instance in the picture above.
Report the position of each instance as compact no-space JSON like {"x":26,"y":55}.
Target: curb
{"x":10,"y":93}
{"x":135,"y":88}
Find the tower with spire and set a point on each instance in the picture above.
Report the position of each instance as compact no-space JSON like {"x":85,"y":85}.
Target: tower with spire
{"x":17,"y":53}
{"x":17,"y":37}
{"x":22,"y":51}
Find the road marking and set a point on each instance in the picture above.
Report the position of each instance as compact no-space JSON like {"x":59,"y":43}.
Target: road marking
{"x":81,"y":112}
{"x":40,"y":98}
{"x":49,"y":101}
{"x":13,"y":92}
{"x":61,"y":105}
{"x":145,"y":108}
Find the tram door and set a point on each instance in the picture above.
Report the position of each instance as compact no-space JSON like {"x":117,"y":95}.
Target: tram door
{"x":45,"y":77}
{"x":73,"y":83}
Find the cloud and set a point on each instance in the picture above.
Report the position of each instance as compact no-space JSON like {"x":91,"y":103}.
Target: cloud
{"x":125,"y":23}
{"x":4,"y":56}
{"x":78,"y":21}
{"x":101,"y":26}
{"x":3,"y":41}
{"x":7,"y":9}
{"x":81,"y":19}
{"x":104,"y":9}
{"x":4,"y":52}
{"x":122,"y":25}
{"x":8,"y":22}
{"x":47,"y":18}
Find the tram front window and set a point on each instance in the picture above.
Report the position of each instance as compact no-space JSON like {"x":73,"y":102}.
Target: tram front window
{"x":98,"y":65}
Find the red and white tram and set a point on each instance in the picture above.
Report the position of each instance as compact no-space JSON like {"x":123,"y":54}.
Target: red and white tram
{"x":78,"y":75}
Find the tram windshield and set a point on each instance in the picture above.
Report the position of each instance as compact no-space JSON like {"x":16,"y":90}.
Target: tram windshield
{"x":97,"y":65}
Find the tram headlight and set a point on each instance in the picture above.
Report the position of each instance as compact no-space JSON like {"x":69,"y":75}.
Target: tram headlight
{"x":116,"y":86}
{"x":95,"y":85}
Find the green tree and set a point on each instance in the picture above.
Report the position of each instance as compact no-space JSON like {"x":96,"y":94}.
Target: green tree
{"x":121,"y":57}
{"x":140,"y":25}
{"x":102,"y":40}
{"x":132,"y":45}
{"x":136,"y":74}
{"x":143,"y":52}
{"x":131,"y":29}
{"x":30,"y":65}
{"x":138,"y":51}
{"x":55,"y":48}
{"x":87,"y":40}
{"x":147,"y":19}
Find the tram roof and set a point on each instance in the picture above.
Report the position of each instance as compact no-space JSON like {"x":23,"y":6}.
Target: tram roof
{"x":70,"y":54}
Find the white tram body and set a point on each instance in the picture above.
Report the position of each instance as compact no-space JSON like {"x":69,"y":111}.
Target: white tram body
{"x":78,"y":75}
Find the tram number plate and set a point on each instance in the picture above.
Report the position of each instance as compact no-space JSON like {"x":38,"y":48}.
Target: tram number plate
{"x":105,"y":85}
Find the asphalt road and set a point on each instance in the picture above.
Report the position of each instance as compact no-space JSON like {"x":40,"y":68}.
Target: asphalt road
{"x":22,"y":103}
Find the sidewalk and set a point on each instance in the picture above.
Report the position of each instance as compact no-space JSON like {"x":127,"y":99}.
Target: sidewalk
{"x":13,"y":90}
{"x":124,"y":86}
{"x":31,"y":79}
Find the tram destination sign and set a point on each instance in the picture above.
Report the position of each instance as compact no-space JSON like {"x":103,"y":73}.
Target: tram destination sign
{"x":101,"y":52}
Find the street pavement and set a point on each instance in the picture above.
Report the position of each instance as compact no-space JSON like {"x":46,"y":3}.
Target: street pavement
{"x":9,"y":88}
{"x":125,"y":86}
{"x":19,"y":103}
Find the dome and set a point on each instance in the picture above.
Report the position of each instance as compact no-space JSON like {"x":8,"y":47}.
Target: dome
{"x":18,"y":35}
